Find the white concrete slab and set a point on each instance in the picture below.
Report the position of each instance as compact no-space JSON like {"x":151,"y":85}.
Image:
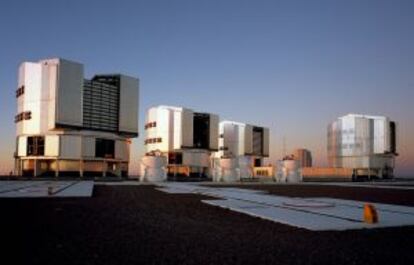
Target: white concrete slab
{"x":33,"y":189}
{"x":317,"y":214}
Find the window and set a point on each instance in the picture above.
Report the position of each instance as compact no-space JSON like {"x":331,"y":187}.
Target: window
{"x":35,"y":146}
{"x":393,"y":141}
{"x":175,"y":158}
{"x":150,"y":125}
{"x":201,"y":130}
{"x":27,"y":115}
{"x":19,"y":91}
{"x":104,"y":148}
{"x":153,"y":140}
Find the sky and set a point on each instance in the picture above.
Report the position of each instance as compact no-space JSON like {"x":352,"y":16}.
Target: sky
{"x":293,"y":66}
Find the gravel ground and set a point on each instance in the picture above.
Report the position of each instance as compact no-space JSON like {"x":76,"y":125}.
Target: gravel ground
{"x":139,"y":225}
{"x":368,"y":194}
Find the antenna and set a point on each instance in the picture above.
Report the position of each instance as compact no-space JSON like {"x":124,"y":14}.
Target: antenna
{"x":284,"y":147}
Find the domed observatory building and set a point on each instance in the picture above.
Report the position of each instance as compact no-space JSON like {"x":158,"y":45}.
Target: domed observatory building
{"x":70,"y":126}
{"x":366,"y":144}
{"x":186,"y":139}
{"x":242,"y":148}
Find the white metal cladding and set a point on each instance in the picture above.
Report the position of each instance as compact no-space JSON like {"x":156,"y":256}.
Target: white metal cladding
{"x":30,"y":77}
{"x":248,"y":139}
{"x":214,"y":123}
{"x":173,"y":129}
{"x":71,"y":147}
{"x":128,"y":109}
{"x":88,"y":147}
{"x":176,"y":126}
{"x":52,"y":145}
{"x":121,"y":150}
{"x":231,"y":141}
{"x":22,"y":146}
{"x":69,"y":93}
{"x":55,"y":103}
{"x":265,"y":141}
{"x":237,"y":139}
{"x":187,"y":129}
{"x":196,"y":159}
{"x":57,"y":95}
{"x":359,"y":141}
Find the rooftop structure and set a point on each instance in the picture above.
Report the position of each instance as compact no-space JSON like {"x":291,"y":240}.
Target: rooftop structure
{"x":68,"y":125}
{"x":364,"y":143}
{"x":242,"y":148}
{"x":185,"y":137}
{"x":304,"y":157}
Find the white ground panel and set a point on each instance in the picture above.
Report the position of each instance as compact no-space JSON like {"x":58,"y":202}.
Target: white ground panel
{"x":33,"y":189}
{"x":316,"y":214}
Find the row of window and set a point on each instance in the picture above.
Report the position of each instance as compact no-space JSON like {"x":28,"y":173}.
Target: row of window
{"x":153,"y":140}
{"x":26,"y":115}
{"x":19,"y":91}
{"x":262,"y":172}
{"x":104,"y":148}
{"x":150,"y":125}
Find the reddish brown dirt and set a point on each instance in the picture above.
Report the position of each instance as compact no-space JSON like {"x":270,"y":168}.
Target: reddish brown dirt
{"x":139,"y":225}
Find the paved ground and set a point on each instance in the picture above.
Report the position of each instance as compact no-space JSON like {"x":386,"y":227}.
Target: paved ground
{"x":401,"y":196}
{"x":317,"y":213}
{"x":23,"y":189}
{"x":139,"y":225}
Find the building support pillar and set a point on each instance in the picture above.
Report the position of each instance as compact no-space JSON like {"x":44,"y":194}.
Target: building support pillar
{"x":57,"y":169}
{"x":21,"y":167}
{"x":118,"y":169}
{"x":81,"y":168}
{"x":104,"y":168}
{"x":36,"y":169}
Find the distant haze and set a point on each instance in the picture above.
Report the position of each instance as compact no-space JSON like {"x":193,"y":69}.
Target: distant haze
{"x":293,"y":66}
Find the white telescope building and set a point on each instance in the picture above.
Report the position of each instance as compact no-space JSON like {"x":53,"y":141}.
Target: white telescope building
{"x":366,"y":144}
{"x":68,"y":125}
{"x":185,"y":137}
{"x":242,"y":148}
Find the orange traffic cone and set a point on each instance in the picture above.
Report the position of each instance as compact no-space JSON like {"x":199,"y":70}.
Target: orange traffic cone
{"x":370,"y":214}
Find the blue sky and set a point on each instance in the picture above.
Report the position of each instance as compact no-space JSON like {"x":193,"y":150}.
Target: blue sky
{"x":293,"y":66}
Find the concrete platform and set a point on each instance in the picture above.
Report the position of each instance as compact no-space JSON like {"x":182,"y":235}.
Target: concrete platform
{"x":317,"y":214}
{"x":36,"y":189}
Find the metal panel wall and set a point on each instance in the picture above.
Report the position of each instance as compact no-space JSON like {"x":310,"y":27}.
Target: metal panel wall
{"x":88,"y":147}
{"x":128,"y":111}
{"x":187,"y":128}
{"x":248,"y":139}
{"x":266,"y":144}
{"x":22,"y":146}
{"x":70,"y":147}
{"x":121,"y":150}
{"x":52,"y":145}
{"x":214,"y":123}
{"x":100,"y":106}
{"x":31,"y":100}
{"x":69,"y":93}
